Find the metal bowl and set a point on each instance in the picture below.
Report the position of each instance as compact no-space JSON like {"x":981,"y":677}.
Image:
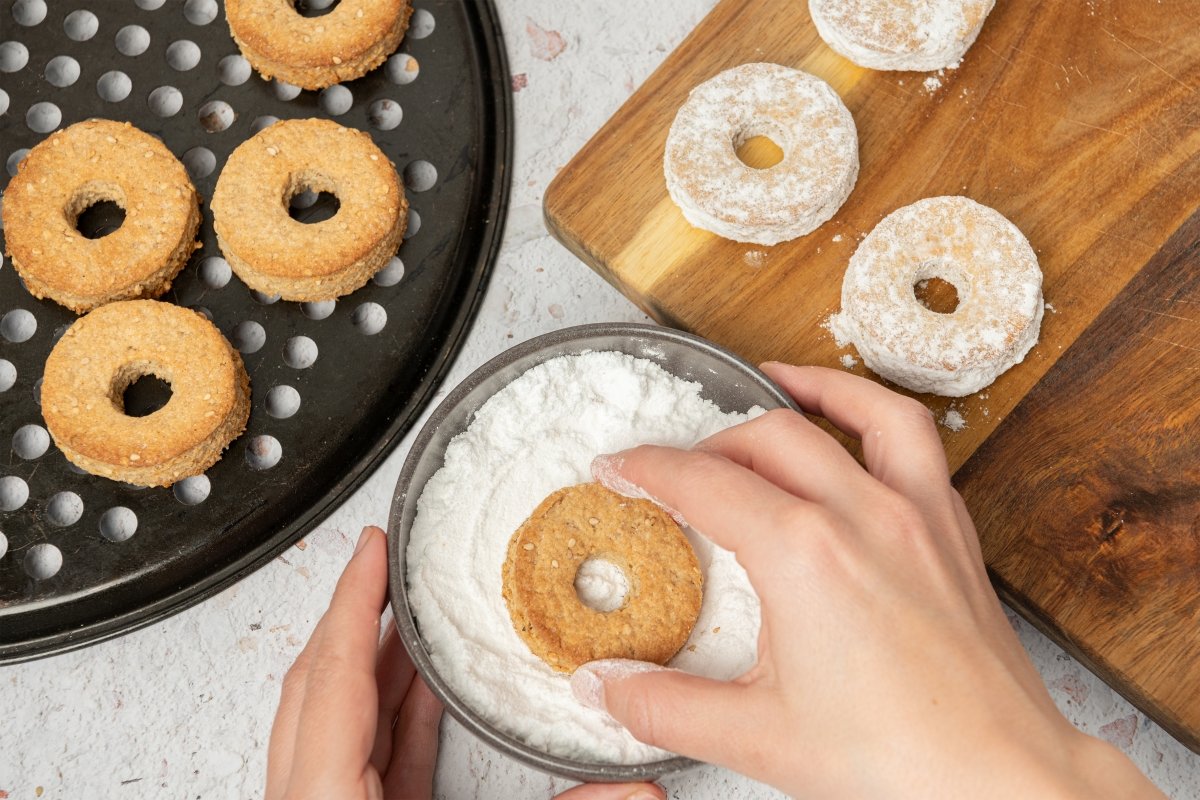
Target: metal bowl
{"x":726,"y":380}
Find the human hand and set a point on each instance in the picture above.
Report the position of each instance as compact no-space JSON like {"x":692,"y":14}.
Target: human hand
{"x":886,"y":667}
{"x":356,"y":721}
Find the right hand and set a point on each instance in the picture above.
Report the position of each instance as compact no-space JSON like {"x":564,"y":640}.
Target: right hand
{"x":886,"y":667}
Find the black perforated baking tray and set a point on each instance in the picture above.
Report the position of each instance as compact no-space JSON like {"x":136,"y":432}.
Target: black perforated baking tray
{"x":74,"y":569}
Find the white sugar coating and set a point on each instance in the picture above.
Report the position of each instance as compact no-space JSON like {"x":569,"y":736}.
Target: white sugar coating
{"x":534,"y":436}
{"x":802,"y":114}
{"x":987,"y":260}
{"x":953,"y":420}
{"x":918,"y":35}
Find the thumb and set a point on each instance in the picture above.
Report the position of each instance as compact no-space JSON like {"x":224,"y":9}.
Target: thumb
{"x":663,"y":707}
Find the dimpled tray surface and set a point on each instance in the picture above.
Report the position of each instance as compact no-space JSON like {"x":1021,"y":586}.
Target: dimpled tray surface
{"x":335,"y":385}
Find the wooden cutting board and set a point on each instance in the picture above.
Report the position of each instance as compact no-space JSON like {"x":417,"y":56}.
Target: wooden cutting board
{"x":1080,"y":121}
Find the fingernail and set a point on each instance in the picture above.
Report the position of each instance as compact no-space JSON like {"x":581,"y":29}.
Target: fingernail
{"x":363,"y":538}
{"x":606,"y":470}
{"x":587,"y":682}
{"x":642,"y":794}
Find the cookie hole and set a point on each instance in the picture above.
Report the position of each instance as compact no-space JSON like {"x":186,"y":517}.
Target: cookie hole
{"x":3,"y":101}
{"x":145,"y":395}
{"x":314,"y":8}
{"x":283,"y":402}
{"x":216,"y":116}
{"x":43,"y":561}
{"x":285,"y":91}
{"x":18,"y":326}
{"x":199,"y":162}
{"x":183,"y":55}
{"x":300,"y":352}
{"x":43,"y":117}
{"x":310,"y":207}
{"x":149,"y":5}
{"x":165,"y":101}
{"x":29,"y":12}
{"x":14,"y":161}
{"x":114,"y":86}
{"x":61,"y":71}
{"x":118,"y":524}
{"x":132,"y":40}
{"x":263,"y":452}
{"x":336,"y":100}
{"x":248,"y":337}
{"x":420,"y":175}
{"x":14,"y":493}
{"x":939,"y":296}
{"x":369,"y":318}
{"x":3,"y":545}
{"x":100,"y":219}
{"x":192,"y":491}
{"x":31,"y":442}
{"x":200,"y":12}
{"x":13,"y":56}
{"x":233,"y":71}
{"x":319,"y":309}
{"x":402,"y":69}
{"x":385,"y":114}
{"x":421,"y":24}
{"x":391,"y":274}
{"x":64,"y":509}
{"x":601,"y":585}
{"x":8,"y":375}
{"x":81,"y":25}
{"x":215,"y":272}
{"x":759,"y":152}
{"x":264,"y":299}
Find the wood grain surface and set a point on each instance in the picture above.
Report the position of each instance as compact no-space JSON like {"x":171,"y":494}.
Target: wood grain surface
{"x":1080,"y":121}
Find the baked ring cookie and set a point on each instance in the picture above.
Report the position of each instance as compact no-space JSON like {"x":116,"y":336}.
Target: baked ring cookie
{"x":275,"y":254}
{"x":919,"y":35}
{"x":585,"y":522}
{"x":104,"y":352}
{"x":74,"y":169}
{"x":312,"y":53}
{"x":802,"y":114}
{"x":975,"y":249}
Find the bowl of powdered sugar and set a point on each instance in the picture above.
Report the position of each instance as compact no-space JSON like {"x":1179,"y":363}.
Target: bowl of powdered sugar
{"x":524,"y":425}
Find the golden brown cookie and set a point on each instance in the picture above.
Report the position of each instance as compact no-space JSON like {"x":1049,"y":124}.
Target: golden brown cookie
{"x":312,"y":53}
{"x":275,"y":254}
{"x":76,"y":168}
{"x":104,"y":352}
{"x":585,"y":522}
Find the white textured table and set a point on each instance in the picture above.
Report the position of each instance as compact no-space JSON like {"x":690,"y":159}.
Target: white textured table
{"x":183,"y":709}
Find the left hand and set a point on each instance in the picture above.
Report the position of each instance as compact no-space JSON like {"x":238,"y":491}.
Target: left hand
{"x":355,"y":720}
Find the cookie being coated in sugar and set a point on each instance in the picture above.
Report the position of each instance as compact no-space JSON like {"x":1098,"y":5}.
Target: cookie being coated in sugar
{"x":588,"y":521}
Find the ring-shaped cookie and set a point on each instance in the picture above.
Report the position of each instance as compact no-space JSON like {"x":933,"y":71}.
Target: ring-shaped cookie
{"x":585,"y":522}
{"x":918,"y":35}
{"x":74,"y":169}
{"x":277,"y":255}
{"x":987,"y":260}
{"x":802,"y":114}
{"x":315,"y":52}
{"x":104,"y":352}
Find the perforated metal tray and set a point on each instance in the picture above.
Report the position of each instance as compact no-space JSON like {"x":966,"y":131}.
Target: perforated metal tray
{"x":335,"y":385}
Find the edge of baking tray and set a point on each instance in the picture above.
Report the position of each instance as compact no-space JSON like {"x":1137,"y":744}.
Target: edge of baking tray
{"x":490,"y":36}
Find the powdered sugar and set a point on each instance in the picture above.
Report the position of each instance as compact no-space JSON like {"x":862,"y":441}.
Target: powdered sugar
{"x":536,"y":435}
{"x":919,"y":35}
{"x":799,"y":112}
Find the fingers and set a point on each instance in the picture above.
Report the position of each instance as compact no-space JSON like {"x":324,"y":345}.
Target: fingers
{"x":336,"y":726}
{"x":394,"y":672}
{"x":667,"y":708}
{"x":728,"y":503}
{"x":613,"y":791}
{"x":901,"y":446}
{"x":414,"y":750}
{"x":795,"y":455}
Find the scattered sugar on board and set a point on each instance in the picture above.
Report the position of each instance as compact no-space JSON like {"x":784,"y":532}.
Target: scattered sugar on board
{"x":849,"y":361}
{"x":953,"y":420}
{"x":932,"y":84}
{"x":538,"y":434}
